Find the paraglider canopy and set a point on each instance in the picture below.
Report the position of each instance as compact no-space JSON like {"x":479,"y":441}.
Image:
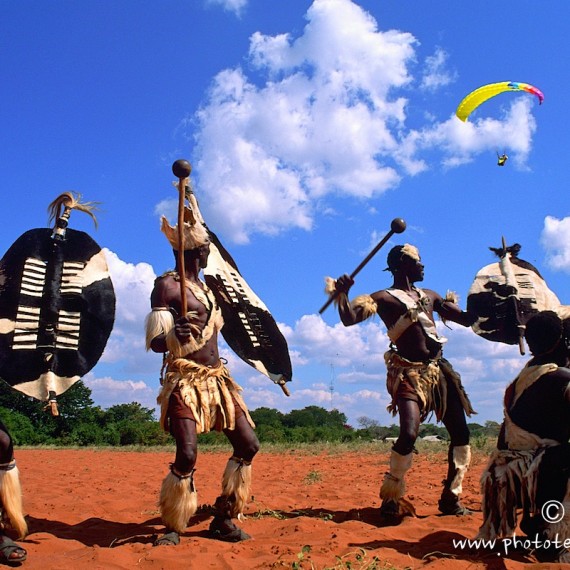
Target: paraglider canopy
{"x":482,"y":94}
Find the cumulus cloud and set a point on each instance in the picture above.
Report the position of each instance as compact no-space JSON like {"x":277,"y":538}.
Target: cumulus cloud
{"x":325,"y":113}
{"x":337,"y":345}
{"x":555,"y":239}
{"x":122,"y":374}
{"x":310,"y":121}
{"x":133,"y":284}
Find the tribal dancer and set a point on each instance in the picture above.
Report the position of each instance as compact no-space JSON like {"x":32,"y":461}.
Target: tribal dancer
{"x":531,"y":466}
{"x":198,"y":393}
{"x":420,"y":380}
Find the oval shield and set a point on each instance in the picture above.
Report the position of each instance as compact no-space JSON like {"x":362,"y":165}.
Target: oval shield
{"x":57,"y":309}
{"x":491,"y":299}
{"x":249,"y":328}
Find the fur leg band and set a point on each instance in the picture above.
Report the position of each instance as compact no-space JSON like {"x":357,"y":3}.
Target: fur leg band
{"x":178,"y":500}
{"x":461,"y":460}
{"x":393,"y":486}
{"x":11,"y":498}
{"x":236,"y":484}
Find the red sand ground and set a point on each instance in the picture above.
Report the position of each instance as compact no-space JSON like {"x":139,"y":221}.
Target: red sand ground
{"x":97,"y":509}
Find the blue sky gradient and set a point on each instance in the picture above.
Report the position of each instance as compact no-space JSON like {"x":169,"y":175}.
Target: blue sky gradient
{"x":310,"y":126}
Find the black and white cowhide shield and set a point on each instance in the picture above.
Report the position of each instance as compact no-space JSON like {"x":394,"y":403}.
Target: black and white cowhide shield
{"x":249,"y":328}
{"x":489,"y":298}
{"x":57,"y":308}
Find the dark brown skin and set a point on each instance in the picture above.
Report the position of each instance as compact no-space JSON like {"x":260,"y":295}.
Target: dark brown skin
{"x":413,"y":345}
{"x":545,"y":405}
{"x":560,"y":356}
{"x":167,"y":294}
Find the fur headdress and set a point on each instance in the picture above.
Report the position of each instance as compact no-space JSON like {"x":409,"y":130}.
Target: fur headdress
{"x":396,"y":254}
{"x":195,"y":232}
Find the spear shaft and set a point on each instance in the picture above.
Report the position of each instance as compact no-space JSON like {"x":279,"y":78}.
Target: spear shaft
{"x":511,"y":280}
{"x":181,"y":169}
{"x":396,"y":227}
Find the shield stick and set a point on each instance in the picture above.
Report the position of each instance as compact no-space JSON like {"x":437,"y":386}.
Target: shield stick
{"x":397,"y":226}
{"x":511,"y":280}
{"x":181,"y":169}
{"x":281,"y":383}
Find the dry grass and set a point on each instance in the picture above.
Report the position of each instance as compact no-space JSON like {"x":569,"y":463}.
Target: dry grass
{"x":479,"y":447}
{"x":356,"y":560}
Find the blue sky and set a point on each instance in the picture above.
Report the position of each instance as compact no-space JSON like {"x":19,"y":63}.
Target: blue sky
{"x":310,"y":126}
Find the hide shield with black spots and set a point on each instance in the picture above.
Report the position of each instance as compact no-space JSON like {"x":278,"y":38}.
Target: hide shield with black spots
{"x":249,"y":328}
{"x":493,"y":301}
{"x":57,"y":308}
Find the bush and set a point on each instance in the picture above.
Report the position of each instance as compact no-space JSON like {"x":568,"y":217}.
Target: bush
{"x":20,"y":427}
{"x":270,"y":433}
{"x":212,"y":438}
{"x":86,"y":434}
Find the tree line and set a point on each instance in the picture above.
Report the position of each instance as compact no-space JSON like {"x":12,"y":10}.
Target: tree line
{"x":81,"y":423}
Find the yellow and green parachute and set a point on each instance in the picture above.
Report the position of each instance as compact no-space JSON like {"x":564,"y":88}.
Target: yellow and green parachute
{"x":482,"y":94}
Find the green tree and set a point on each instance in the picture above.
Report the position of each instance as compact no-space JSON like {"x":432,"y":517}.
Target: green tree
{"x":492,"y":428}
{"x":476,"y":430}
{"x":370,"y":428}
{"x":313,"y":416}
{"x":431,"y":429}
{"x":21,"y":429}
{"x":212,"y":438}
{"x":133,"y":424}
{"x":133,"y":412}
{"x":270,"y":433}
{"x":75,"y":406}
{"x":12,"y":399}
{"x":87,"y":434}
{"x":267,"y":417}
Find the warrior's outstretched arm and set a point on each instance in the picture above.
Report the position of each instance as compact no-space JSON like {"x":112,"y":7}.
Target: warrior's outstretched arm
{"x":356,"y":311}
{"x":448,"y":310}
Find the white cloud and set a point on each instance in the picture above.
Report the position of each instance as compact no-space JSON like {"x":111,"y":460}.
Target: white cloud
{"x":235,"y":6}
{"x":555,"y":239}
{"x":133,"y":285}
{"x":107,"y":392}
{"x":317,"y":123}
{"x":460,"y":141}
{"x":324,"y":113}
{"x":339,"y":345}
{"x":435,"y":73}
